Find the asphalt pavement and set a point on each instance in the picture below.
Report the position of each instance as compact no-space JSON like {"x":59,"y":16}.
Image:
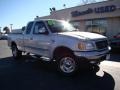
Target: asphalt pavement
{"x":30,"y":73}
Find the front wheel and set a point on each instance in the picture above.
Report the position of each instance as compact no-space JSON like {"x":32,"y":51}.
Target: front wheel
{"x":15,"y":52}
{"x":67,"y":64}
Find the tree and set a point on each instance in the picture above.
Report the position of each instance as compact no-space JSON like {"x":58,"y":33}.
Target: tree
{"x":6,"y":29}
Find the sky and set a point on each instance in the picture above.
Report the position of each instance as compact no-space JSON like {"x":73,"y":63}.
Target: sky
{"x":19,"y":12}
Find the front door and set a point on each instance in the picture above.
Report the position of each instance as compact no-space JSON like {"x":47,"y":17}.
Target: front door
{"x":41,"y":39}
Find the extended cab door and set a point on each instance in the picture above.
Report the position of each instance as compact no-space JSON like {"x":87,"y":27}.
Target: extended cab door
{"x":41,"y":39}
{"x":27,"y":38}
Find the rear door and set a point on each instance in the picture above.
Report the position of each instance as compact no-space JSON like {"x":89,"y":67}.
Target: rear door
{"x":27,"y":38}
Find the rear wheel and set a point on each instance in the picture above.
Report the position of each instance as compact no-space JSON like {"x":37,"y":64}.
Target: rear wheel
{"x":15,"y":52}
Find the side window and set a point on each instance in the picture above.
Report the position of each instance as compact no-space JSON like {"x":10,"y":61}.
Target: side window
{"x":39,"y":28}
{"x":29,"y":27}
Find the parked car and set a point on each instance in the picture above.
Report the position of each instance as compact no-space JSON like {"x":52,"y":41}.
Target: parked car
{"x":117,"y":36}
{"x":115,"y":42}
{"x":59,"y":41}
{"x":3,"y":36}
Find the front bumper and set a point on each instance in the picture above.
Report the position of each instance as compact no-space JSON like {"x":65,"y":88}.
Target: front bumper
{"x":92,"y":55}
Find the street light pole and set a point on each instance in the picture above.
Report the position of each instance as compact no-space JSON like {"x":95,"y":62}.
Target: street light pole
{"x":11,"y":26}
{"x":0,"y":30}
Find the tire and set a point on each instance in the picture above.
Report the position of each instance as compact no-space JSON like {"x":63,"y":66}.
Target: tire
{"x":94,"y":68}
{"x":67,"y":64}
{"x":15,"y":52}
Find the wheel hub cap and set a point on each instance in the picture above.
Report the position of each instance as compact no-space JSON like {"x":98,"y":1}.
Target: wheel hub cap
{"x":67,"y":64}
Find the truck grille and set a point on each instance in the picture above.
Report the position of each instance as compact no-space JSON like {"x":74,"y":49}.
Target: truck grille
{"x":102,"y":44}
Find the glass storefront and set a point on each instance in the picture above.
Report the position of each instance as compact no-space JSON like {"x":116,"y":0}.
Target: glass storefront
{"x":97,"y":26}
{"x":76,"y":24}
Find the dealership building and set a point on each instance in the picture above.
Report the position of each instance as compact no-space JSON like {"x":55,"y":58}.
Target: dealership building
{"x":101,"y":17}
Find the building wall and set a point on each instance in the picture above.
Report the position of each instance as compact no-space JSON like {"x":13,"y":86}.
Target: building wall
{"x":112,"y":17}
{"x":113,"y":26}
{"x":82,"y":25}
{"x":98,"y":15}
{"x":66,"y":13}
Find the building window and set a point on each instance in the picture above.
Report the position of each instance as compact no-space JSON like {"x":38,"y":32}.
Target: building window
{"x":76,"y":24}
{"x":97,"y":26}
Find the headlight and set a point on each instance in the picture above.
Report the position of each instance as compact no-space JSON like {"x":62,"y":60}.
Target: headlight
{"x":85,"y":46}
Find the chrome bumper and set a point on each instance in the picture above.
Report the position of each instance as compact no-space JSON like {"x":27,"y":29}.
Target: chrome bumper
{"x":92,"y":54}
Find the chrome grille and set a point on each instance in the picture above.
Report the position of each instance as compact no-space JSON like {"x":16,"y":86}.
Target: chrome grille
{"x":101,"y":44}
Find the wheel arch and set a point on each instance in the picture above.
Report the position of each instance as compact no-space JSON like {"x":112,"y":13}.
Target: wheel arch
{"x":60,"y":50}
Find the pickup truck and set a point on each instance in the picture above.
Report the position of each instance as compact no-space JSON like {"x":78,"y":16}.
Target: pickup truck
{"x":59,"y":41}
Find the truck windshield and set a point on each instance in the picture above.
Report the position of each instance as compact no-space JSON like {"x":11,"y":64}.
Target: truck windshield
{"x":57,"y":26}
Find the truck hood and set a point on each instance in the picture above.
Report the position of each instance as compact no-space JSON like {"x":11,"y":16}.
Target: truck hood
{"x":82,"y":35}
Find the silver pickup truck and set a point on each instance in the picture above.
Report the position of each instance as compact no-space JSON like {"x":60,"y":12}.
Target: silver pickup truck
{"x":57,"y":40}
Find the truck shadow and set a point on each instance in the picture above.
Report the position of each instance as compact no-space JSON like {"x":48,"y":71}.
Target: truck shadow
{"x":38,"y":75}
{"x":115,"y":54}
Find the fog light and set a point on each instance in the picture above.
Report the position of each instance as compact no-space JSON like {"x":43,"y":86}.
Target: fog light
{"x":92,"y":62}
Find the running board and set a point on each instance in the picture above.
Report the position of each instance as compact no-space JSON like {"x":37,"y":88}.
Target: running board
{"x":42,"y":58}
{"x":45,"y":58}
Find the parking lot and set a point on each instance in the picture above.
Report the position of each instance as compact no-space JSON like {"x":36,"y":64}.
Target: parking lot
{"x":30,"y":73}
